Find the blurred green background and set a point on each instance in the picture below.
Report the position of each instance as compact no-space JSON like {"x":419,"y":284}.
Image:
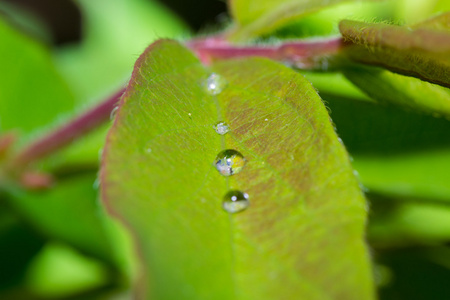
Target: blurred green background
{"x":58,"y":58}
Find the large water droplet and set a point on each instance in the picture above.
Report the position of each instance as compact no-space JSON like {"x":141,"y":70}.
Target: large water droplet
{"x":235,"y":201}
{"x":215,"y":84}
{"x":221,"y":128}
{"x":229,"y":162}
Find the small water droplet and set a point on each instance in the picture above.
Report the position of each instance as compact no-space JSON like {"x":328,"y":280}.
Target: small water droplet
{"x":221,"y":128}
{"x":113,"y":113}
{"x":229,"y":162}
{"x":190,"y":115}
{"x":266,"y":120}
{"x":235,"y":201}
{"x":215,"y":84}
{"x":148,"y":150}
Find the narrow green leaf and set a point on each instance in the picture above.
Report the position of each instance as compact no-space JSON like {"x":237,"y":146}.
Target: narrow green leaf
{"x":390,"y":88}
{"x":301,"y":236}
{"x":255,"y":17}
{"x":421,"y":52}
{"x":32,"y":94}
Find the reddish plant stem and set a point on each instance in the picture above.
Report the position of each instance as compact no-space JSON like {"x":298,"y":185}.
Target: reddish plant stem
{"x":302,"y":54}
{"x":68,"y":132}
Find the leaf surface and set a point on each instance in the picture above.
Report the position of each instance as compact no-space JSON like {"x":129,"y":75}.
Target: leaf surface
{"x":255,"y":17}
{"x":301,"y":237}
{"x":420,"y":52}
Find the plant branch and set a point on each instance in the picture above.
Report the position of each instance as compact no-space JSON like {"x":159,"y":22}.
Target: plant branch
{"x":304,"y":54}
{"x":68,"y":132}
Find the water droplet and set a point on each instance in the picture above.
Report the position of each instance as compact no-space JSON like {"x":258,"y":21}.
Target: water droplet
{"x":266,"y":120}
{"x":235,"y":201}
{"x":113,"y":113}
{"x":221,"y":128}
{"x":229,"y":162}
{"x":215,"y":84}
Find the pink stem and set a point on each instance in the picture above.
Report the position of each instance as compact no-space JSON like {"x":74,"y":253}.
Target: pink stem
{"x":69,"y":132}
{"x":301,"y":54}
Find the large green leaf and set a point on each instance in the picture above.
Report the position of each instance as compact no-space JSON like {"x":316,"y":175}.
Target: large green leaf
{"x":255,"y":17}
{"x":420,"y":52}
{"x":302,"y":235}
{"x":32,"y":94}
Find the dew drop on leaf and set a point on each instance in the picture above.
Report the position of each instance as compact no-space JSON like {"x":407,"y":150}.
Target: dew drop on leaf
{"x":215,"y":84}
{"x":235,"y":201}
{"x":221,"y":128}
{"x":229,"y":162}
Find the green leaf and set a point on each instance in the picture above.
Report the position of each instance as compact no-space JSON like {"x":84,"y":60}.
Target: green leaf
{"x":255,"y":18}
{"x":420,"y":174}
{"x":390,"y":88}
{"x":32,"y":94}
{"x":19,"y":244}
{"x":302,"y":235}
{"x":411,"y":224}
{"x":68,"y":212}
{"x":421,"y":52}
{"x":399,"y":153}
{"x":114,"y":36}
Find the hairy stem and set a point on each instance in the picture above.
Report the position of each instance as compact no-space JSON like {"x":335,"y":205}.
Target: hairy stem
{"x":68,"y":132}
{"x":305,"y":54}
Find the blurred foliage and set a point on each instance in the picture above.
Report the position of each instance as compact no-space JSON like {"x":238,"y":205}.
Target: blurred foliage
{"x":58,"y":243}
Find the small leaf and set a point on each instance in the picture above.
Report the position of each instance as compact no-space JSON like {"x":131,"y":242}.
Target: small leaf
{"x":423,"y":53}
{"x":390,"y":88}
{"x":255,"y":18}
{"x":301,"y":235}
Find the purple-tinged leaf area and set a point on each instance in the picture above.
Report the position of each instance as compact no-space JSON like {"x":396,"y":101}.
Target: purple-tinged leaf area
{"x":302,"y":237}
{"x":420,"y":52}
{"x":391,"y":88}
{"x":257,"y":17}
